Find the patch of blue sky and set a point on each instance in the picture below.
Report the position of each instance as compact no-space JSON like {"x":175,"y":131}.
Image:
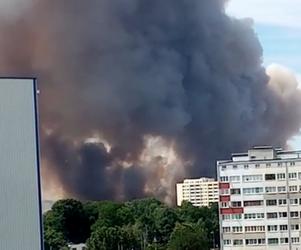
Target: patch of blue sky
{"x":281,"y":45}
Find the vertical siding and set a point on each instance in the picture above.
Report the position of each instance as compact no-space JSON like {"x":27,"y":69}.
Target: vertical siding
{"x":19,"y":186}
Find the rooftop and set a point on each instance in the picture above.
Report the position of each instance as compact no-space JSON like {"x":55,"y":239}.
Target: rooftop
{"x":202,"y":179}
{"x":259,"y":153}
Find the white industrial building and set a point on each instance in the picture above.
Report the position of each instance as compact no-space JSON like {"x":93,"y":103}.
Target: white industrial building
{"x":200,"y":192}
{"x":260,"y":200}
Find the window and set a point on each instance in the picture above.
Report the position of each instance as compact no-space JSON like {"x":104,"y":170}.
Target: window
{"x":224,"y":179}
{"x":294,"y":214}
{"x":226,"y":217}
{"x":292,"y":176}
{"x":283,"y":227}
{"x":299,"y":175}
{"x":283,"y":215}
{"x":272,"y":215}
{"x":224,"y":204}
{"x":246,"y":166}
{"x":237,"y":242}
{"x":270,"y":189}
{"x":293,"y":188}
{"x":235,"y":191}
{"x":224,"y":191}
{"x":260,"y":241}
{"x":283,"y":240}
{"x":279,"y":164}
{"x":252,"y":178}
{"x":295,"y":239}
{"x":254,"y":216}
{"x":292,"y":163}
{"x":256,"y":190}
{"x":281,"y":176}
{"x":250,"y":216}
{"x":226,"y":229}
{"x":257,"y":165}
{"x":227,"y":242}
{"x":236,"y":216}
{"x":254,"y":228}
{"x":294,"y":201}
{"x":253,"y":203}
{"x":234,"y":166}
{"x":270,"y":177}
{"x":237,"y":203}
{"x":251,"y":241}
{"x":282,"y":202}
{"x":235,"y":178}
{"x":271,"y":202}
{"x":236,"y":229}
{"x":281,"y":189}
{"x":260,"y":215}
{"x":272,"y":228}
{"x":255,"y":241}
{"x":273,"y":241}
{"x":295,"y":227}
{"x":268,"y":164}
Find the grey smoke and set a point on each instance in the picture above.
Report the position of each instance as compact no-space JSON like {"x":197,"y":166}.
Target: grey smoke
{"x":126,"y":69}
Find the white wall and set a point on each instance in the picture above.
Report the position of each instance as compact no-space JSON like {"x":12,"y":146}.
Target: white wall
{"x":19,"y":185}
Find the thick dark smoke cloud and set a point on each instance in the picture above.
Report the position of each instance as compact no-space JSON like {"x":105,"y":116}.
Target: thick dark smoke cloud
{"x":91,"y":166}
{"x":122,"y":71}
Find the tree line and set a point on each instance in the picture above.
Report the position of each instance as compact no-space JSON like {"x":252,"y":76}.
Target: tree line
{"x":145,"y":224}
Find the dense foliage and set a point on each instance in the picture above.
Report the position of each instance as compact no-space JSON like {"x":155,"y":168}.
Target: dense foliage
{"x":137,"y":225}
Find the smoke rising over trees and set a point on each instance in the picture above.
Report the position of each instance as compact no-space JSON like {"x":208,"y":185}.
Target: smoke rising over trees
{"x":136,"y":94}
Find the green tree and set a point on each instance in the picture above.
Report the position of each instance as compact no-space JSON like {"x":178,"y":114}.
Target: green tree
{"x":125,"y":215}
{"x":165,"y":219}
{"x":69,"y":218}
{"x":130,"y":237}
{"x":143,"y":224}
{"x":104,"y":238}
{"x":189,"y":213}
{"x":108,"y":214}
{"x":188,"y":236}
{"x":144,"y":210}
{"x":91,"y":210}
{"x":211,"y":221}
{"x":54,"y":240}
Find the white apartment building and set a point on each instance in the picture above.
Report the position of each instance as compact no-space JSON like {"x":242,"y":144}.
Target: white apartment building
{"x":200,"y":192}
{"x":260,"y":200}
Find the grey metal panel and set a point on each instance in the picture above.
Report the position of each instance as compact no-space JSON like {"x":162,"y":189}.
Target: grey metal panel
{"x":20,"y":225}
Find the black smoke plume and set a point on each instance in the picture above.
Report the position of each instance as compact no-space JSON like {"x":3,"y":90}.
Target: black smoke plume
{"x":116,"y":74}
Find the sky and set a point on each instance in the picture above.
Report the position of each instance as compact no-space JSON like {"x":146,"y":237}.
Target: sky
{"x":278,"y":25}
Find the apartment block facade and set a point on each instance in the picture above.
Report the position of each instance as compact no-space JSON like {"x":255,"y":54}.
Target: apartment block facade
{"x":260,"y":200}
{"x":200,"y":192}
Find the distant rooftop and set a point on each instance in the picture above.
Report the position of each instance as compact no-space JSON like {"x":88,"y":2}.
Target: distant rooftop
{"x":259,"y":153}
{"x":202,"y":179}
